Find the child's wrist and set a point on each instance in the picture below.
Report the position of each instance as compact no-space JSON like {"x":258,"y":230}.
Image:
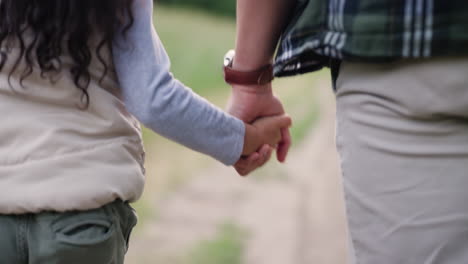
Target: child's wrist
{"x":250,"y":139}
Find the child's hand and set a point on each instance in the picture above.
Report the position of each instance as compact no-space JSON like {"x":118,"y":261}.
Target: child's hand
{"x":264,"y":131}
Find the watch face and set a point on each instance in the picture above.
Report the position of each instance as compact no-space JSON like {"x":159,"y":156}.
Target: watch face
{"x":229,"y":58}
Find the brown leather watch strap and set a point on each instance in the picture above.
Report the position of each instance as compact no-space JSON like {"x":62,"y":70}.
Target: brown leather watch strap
{"x":261,"y":76}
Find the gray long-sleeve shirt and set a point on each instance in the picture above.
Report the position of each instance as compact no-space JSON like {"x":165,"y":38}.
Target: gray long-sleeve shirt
{"x":164,"y":104}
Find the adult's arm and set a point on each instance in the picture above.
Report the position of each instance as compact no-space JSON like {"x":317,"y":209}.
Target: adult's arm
{"x":259,"y":25}
{"x":164,"y":104}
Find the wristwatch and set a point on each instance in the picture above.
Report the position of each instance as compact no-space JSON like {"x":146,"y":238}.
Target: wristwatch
{"x":261,"y":76}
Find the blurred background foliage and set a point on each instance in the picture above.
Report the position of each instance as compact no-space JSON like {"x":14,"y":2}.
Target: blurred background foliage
{"x":216,"y":7}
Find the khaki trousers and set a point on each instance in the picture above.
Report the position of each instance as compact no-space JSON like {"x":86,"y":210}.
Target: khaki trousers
{"x":402,"y":135}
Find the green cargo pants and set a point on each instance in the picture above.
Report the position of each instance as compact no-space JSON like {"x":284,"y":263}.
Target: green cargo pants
{"x":98,"y":236}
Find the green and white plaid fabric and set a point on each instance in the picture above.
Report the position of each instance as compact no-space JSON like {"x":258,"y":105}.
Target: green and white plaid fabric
{"x":371,"y":30}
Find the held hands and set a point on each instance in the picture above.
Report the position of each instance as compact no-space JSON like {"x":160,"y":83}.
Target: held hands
{"x":250,"y":103}
{"x":264,"y":135}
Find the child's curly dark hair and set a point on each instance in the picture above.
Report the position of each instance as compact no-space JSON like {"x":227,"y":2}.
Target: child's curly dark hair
{"x":61,"y":27}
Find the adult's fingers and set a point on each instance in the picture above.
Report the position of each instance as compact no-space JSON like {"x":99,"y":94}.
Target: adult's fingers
{"x":283,"y":145}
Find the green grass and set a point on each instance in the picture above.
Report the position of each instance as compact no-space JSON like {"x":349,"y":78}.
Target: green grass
{"x":298,"y":95}
{"x":227,"y":247}
{"x":196,"y":44}
{"x":301,"y":129}
{"x":213,"y":7}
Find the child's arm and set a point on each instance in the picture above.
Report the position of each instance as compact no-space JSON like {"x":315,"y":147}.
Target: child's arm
{"x":165,"y":105}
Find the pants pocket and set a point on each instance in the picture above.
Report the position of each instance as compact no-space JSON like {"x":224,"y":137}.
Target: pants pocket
{"x":86,"y":232}
{"x":127,"y":218}
{"x":90,"y":237}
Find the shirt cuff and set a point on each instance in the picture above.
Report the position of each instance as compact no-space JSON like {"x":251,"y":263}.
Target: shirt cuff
{"x":233,"y":151}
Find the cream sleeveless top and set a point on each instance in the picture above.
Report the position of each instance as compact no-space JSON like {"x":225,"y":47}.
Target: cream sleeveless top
{"x":56,"y":156}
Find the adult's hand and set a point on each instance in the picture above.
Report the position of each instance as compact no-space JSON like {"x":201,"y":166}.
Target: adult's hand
{"x":259,"y":26}
{"x":249,"y":103}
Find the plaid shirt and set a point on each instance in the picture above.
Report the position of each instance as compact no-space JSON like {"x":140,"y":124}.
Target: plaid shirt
{"x":371,"y":30}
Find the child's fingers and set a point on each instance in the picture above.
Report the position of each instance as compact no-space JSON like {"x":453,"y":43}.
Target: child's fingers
{"x":267,"y":155}
{"x":244,"y":165}
{"x":280,"y":121}
{"x":257,"y":159}
{"x":284,"y":121}
{"x":281,"y":124}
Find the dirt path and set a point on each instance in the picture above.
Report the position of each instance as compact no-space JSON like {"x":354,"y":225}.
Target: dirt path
{"x":297,"y":218}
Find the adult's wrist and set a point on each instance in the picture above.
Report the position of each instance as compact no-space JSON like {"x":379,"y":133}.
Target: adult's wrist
{"x":258,"y":76}
{"x":253,"y":89}
{"x":249,"y":58}
{"x":249,"y":64}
